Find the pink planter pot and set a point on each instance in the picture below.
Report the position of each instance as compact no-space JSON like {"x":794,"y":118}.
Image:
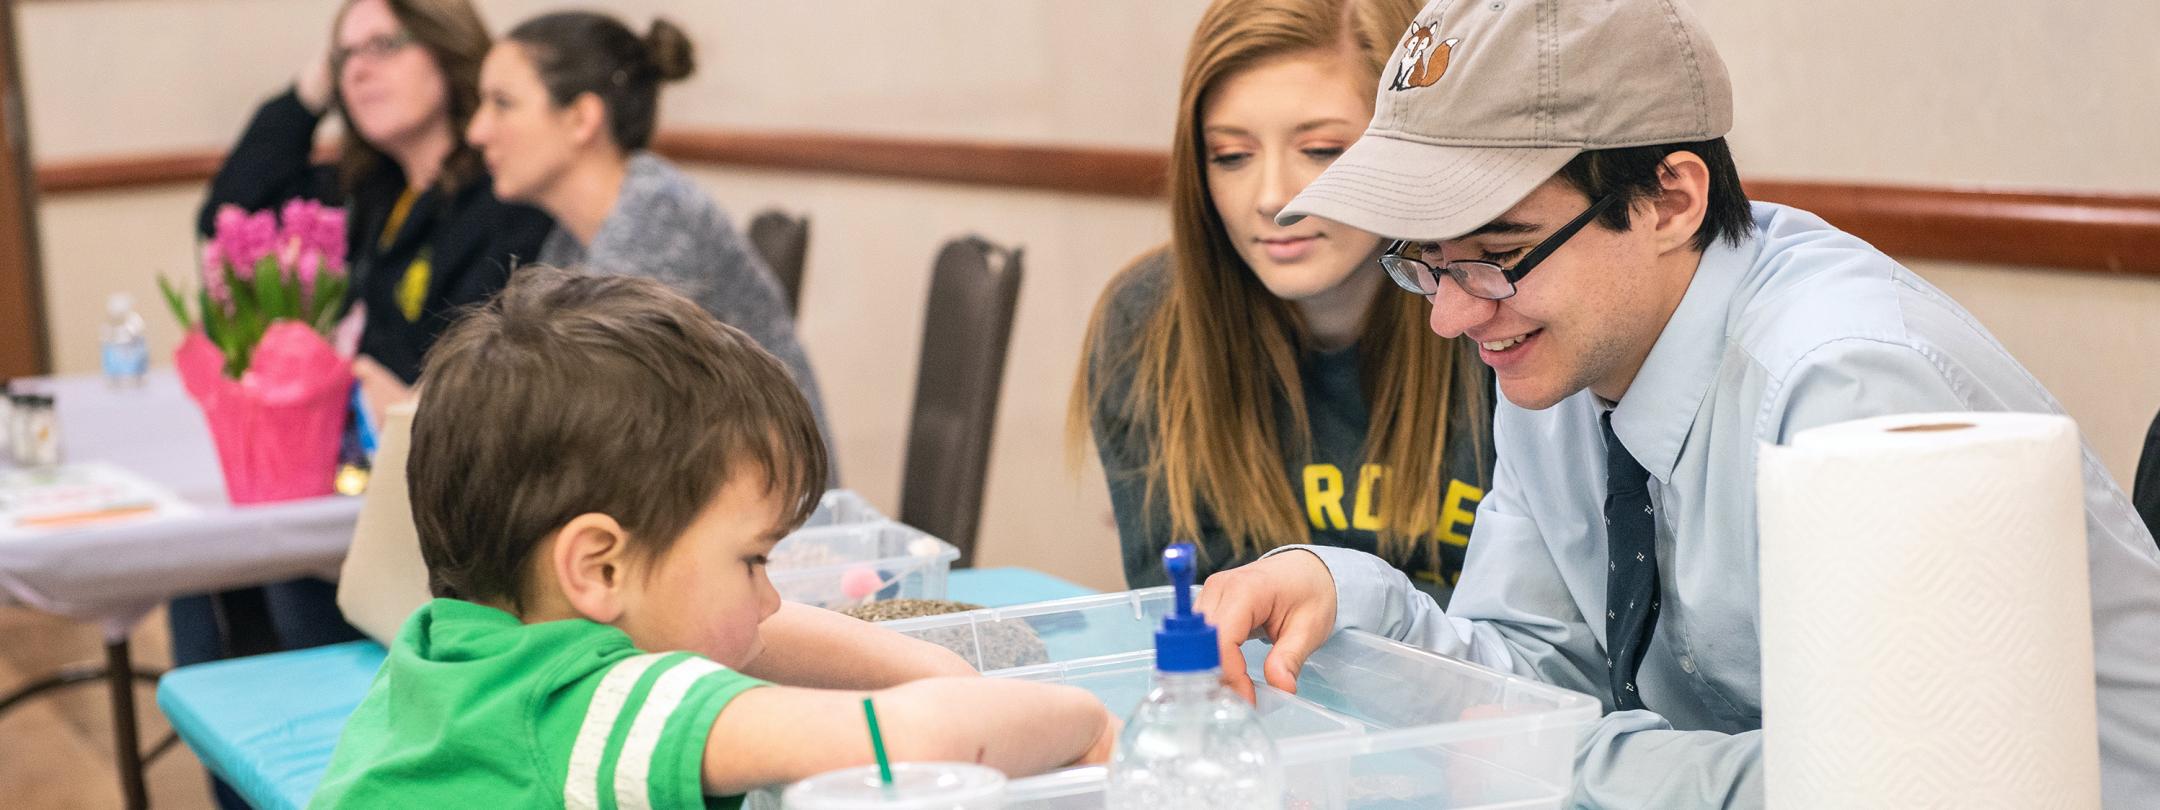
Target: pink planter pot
{"x":278,"y":427}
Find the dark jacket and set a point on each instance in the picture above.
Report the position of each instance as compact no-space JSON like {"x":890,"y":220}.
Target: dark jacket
{"x":468,"y":240}
{"x":2145,"y":489}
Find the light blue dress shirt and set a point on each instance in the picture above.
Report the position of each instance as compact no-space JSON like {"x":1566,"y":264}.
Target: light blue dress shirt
{"x":1801,"y":325}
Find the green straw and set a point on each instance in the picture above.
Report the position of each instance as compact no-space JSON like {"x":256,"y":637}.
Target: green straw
{"x":877,"y":743}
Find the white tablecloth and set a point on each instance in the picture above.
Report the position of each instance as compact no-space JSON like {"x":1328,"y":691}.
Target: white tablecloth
{"x":115,"y":573}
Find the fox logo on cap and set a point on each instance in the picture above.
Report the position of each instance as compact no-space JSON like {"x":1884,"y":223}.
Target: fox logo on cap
{"x":1425,"y":57}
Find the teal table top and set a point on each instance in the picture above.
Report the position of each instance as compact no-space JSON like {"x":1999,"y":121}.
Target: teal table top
{"x":267,"y":724}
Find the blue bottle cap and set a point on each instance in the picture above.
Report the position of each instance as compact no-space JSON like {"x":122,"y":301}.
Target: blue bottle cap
{"x":1186,"y":642}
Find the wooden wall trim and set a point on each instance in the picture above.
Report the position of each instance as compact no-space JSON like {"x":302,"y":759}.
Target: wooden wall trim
{"x":1073,"y":169}
{"x":127,"y":171}
{"x":2110,"y":233}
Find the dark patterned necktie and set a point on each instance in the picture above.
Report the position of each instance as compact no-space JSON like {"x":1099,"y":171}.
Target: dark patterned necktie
{"x":1631,"y":574}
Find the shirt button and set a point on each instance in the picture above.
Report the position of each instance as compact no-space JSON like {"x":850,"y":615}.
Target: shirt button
{"x":1687,"y":664}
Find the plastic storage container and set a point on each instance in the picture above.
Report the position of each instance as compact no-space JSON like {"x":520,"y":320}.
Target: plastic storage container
{"x":916,"y":786}
{"x":1374,"y":723}
{"x":842,"y":565}
{"x":842,"y":506}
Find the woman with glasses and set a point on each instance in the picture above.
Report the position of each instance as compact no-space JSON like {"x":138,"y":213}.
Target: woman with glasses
{"x":427,"y":234}
{"x":1254,"y":385}
{"x":568,"y":103}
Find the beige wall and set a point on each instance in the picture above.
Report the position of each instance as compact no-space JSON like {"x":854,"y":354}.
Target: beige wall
{"x":1989,"y":93}
{"x":871,"y":245}
{"x":1100,"y":72}
{"x":2057,"y":95}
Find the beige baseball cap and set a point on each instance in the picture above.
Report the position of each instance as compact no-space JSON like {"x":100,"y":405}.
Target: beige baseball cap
{"x":1484,"y":100}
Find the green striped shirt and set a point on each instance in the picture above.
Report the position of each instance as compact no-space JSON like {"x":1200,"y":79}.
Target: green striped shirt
{"x":474,"y":708}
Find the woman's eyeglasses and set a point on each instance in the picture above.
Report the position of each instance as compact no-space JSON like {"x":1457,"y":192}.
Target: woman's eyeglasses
{"x":375,"y":48}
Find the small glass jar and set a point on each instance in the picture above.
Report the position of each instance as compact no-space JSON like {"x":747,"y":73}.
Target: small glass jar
{"x":36,"y":430}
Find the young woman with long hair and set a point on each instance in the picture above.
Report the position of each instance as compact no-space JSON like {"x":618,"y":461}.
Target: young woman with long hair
{"x":1254,"y":385}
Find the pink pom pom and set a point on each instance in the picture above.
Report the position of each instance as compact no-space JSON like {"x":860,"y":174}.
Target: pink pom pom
{"x":860,"y":582}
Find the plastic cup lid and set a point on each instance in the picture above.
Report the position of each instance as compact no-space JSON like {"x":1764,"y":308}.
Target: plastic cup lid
{"x":916,"y":786}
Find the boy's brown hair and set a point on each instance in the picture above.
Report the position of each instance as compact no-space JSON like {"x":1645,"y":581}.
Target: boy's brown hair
{"x":571,"y":393}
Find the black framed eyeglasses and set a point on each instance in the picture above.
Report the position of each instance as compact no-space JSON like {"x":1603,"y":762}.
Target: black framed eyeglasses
{"x":1406,"y":262}
{"x":375,"y":48}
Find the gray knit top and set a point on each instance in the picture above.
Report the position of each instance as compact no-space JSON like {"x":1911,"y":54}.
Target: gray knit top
{"x":664,"y":226}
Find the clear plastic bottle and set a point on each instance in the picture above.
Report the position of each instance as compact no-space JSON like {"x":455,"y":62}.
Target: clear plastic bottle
{"x":1192,"y":744}
{"x":125,"y":350}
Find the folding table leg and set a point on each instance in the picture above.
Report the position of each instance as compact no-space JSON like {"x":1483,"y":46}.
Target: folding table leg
{"x":127,"y":749}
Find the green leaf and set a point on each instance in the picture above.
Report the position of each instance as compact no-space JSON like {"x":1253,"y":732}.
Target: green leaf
{"x":251,"y":326}
{"x":243,"y":292}
{"x":329,"y":290}
{"x":178,"y":304}
{"x":269,"y":290}
{"x":213,"y":321}
{"x":227,"y":339}
{"x":317,"y":300}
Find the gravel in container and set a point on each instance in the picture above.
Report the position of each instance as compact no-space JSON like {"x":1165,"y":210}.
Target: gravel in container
{"x":1004,"y":645}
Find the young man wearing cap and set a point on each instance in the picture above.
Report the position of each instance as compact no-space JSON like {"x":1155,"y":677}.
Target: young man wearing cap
{"x":1568,"y":201}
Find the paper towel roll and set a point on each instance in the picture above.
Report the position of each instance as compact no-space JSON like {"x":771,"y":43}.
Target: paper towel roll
{"x":1926,"y":623}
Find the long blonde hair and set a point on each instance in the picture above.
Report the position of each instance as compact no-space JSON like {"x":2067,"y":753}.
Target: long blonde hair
{"x":1220,"y":351}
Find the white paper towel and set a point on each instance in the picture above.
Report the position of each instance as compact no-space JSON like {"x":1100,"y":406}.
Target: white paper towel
{"x":1926,"y":624}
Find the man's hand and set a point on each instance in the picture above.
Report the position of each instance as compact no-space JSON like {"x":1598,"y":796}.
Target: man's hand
{"x":1288,"y":599}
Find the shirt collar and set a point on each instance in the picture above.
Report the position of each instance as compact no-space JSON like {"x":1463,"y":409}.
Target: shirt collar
{"x":1655,"y":415}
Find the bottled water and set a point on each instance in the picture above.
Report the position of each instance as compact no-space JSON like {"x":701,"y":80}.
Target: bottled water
{"x":126,"y":353}
{"x":1192,"y":743}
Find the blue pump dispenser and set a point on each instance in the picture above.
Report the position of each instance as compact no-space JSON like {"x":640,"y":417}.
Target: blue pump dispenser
{"x":1186,"y":642}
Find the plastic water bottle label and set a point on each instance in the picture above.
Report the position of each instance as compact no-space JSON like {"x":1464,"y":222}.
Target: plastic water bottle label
{"x":126,"y":360}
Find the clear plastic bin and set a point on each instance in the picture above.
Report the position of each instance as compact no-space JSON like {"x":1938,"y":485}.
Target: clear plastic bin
{"x":1374,"y":723}
{"x":883,"y":558}
{"x":840,"y":507}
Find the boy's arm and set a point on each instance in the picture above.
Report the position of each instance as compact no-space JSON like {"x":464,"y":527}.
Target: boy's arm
{"x":777,"y":735}
{"x":817,"y":648}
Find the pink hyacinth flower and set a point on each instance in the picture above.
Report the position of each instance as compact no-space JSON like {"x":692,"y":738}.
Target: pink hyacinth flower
{"x":246,"y":239}
{"x":320,"y":229}
{"x":298,"y":212}
{"x":231,"y":225}
{"x":288,"y":254}
{"x":309,"y":266}
{"x":229,"y":217}
{"x":330,"y":236}
{"x":213,"y":275}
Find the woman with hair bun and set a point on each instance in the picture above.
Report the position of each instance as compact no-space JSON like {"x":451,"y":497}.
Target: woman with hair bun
{"x":568,"y":103}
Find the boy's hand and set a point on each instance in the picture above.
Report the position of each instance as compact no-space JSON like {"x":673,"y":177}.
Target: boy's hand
{"x":1098,"y":752}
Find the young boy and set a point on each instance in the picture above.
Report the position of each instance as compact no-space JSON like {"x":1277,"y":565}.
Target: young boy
{"x":598,"y":470}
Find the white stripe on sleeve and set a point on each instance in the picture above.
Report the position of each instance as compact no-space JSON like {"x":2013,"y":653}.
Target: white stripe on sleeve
{"x":632,"y":767}
{"x":581,"y":791}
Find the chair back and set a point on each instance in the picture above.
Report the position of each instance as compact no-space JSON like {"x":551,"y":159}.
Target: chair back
{"x":783,"y":241}
{"x":974,"y":289}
